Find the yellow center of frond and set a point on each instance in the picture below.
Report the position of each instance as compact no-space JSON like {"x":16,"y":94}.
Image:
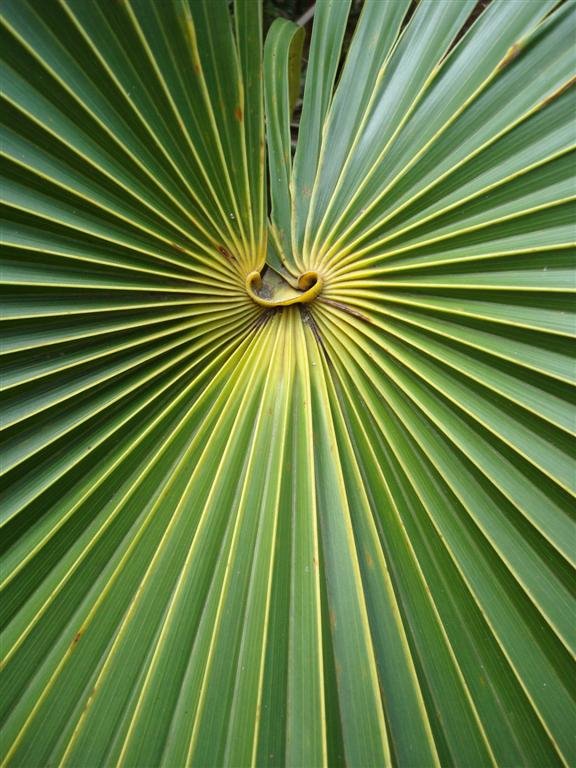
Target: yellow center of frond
{"x":271,"y":290}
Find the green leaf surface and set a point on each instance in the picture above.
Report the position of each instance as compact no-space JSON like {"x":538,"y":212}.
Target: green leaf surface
{"x":287,"y":487}
{"x":282,"y":55}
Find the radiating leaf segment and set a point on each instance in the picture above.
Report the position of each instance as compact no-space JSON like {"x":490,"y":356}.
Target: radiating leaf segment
{"x":296,"y":491}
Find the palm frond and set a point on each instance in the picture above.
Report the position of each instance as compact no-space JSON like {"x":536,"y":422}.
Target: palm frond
{"x":319,"y":514}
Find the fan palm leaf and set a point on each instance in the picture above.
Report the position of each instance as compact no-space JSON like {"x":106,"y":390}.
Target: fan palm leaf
{"x":291,"y":488}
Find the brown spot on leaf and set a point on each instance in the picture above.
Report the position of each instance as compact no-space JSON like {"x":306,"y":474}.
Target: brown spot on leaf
{"x":511,"y":54}
{"x":557,"y":93}
{"x":238,"y":114}
{"x":332,"y":616}
{"x":345,"y":308}
{"x":225,"y":253}
{"x":89,"y":700}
